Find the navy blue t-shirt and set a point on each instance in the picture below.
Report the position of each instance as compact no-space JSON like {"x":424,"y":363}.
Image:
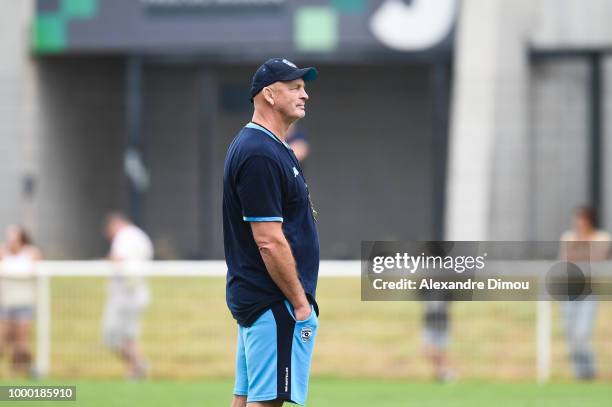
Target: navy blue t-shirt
{"x":263,"y":182}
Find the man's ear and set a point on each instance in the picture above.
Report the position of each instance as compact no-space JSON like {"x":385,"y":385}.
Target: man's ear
{"x":268,"y":94}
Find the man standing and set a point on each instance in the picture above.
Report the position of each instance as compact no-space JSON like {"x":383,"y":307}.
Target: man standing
{"x":128,"y":293}
{"x":271,"y":244}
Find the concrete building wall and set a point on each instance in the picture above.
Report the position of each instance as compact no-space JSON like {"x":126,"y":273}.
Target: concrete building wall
{"x":488,"y":171}
{"x":172,"y":134}
{"x":574,"y":24}
{"x":607,"y":146}
{"x":563,"y":87}
{"x":82,"y":174}
{"x":18,"y":113}
{"x":559,"y":143}
{"x":81,"y":143}
{"x":571,"y":23}
{"x":517,"y":138}
{"x":518,"y":156}
{"x":369,"y":171}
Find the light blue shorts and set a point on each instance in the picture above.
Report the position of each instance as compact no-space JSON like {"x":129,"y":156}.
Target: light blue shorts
{"x":274,"y":354}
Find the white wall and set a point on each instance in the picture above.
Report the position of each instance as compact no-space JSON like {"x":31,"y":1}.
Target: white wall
{"x":487,"y":168}
{"x":518,"y":152}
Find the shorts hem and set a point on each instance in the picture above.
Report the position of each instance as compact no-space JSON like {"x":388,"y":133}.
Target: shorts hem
{"x":299,"y":403}
{"x":287,"y":397}
{"x":265,"y":397}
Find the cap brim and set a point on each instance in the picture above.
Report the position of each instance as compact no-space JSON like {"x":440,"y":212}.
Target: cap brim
{"x":308,"y":74}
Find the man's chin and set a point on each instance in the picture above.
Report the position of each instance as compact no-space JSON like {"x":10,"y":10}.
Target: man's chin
{"x":296,"y":115}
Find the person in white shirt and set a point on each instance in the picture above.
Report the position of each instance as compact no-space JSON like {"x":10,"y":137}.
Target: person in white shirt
{"x":584,"y":243}
{"x":17,"y":296}
{"x":128,"y":293}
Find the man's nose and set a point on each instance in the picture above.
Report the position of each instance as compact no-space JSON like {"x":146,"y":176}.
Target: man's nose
{"x":304,"y":95}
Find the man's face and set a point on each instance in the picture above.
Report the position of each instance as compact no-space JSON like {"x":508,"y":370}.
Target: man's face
{"x":290,"y":98}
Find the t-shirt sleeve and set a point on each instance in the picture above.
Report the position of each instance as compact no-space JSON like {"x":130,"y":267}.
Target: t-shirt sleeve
{"x":259,"y":187}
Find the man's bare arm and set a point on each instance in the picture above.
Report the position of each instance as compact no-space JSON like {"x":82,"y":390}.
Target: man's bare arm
{"x":279,"y":261}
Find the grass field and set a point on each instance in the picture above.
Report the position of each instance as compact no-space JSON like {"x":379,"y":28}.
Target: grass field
{"x":367,"y":353}
{"x":338,"y":393}
{"x":188,"y":333}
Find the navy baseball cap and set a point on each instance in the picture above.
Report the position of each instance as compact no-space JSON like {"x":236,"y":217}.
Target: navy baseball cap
{"x":279,"y":69}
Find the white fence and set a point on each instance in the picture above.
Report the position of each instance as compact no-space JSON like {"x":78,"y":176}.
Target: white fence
{"x":48,"y":270}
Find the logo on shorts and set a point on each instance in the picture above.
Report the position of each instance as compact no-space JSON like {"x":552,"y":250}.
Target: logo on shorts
{"x":306,"y":334}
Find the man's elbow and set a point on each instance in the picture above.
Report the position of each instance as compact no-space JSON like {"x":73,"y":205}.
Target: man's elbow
{"x":268,"y":245}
